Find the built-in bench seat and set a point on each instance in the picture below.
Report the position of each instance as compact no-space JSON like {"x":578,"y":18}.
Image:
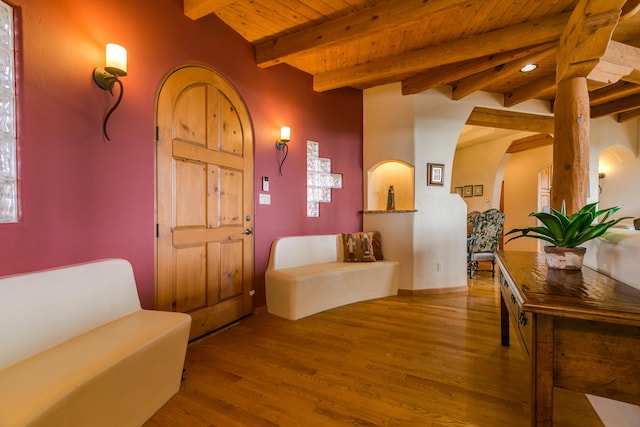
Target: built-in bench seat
{"x":76,"y":349}
{"x":616,"y":254}
{"x":307,"y":274}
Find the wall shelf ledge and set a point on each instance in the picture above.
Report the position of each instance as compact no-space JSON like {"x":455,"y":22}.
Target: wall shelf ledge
{"x":384,"y":211}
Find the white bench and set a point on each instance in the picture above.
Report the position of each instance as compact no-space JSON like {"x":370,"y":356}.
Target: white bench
{"x":306,"y":275}
{"x":616,"y":254}
{"x":76,"y":349}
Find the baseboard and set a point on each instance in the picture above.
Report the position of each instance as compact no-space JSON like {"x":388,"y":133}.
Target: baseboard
{"x":431,"y":291}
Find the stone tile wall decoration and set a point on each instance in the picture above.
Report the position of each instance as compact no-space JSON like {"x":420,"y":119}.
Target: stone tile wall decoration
{"x":320,"y":180}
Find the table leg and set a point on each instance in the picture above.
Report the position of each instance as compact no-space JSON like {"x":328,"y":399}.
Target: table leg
{"x":542,"y":373}
{"x":504,"y":321}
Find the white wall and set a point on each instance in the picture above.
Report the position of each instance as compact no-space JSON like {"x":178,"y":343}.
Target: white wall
{"x":615,"y":147}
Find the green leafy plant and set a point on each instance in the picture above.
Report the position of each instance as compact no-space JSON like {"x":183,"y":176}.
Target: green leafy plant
{"x":569,"y":231}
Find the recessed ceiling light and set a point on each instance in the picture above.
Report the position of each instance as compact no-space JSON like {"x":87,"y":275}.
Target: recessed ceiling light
{"x":528,"y":68}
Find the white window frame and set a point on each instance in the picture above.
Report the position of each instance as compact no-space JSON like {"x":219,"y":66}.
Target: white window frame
{"x":8,"y":152}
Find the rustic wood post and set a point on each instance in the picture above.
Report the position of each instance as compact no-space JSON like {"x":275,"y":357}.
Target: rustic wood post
{"x":571,"y":145}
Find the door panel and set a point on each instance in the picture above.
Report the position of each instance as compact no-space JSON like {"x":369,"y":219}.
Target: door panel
{"x":190,"y":190}
{"x":204,"y":200}
{"x":190,"y":273}
{"x":231,"y":278}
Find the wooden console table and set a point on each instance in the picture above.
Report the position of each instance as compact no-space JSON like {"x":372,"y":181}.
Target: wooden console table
{"x":581,"y":330}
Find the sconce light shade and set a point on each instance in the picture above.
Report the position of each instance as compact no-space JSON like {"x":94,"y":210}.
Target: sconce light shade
{"x":601,"y":175}
{"x":116,"y":62}
{"x":107,"y":76}
{"x":285,"y":134}
{"x":281,"y":144}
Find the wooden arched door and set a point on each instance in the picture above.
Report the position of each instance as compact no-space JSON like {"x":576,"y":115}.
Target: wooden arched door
{"x":204,"y":200}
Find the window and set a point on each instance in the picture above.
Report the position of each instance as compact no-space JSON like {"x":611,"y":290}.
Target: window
{"x":8,"y":176}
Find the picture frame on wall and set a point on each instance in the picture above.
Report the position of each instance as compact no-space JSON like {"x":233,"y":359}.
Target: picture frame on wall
{"x":435,"y":174}
{"x":478,"y":190}
{"x":467,"y":191}
{"x":458,"y":191}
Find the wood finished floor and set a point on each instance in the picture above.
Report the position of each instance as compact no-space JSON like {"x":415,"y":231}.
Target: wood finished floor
{"x":397,"y":361}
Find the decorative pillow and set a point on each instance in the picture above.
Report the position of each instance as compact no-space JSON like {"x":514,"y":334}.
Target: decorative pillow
{"x":358,"y":247}
{"x":377,"y":245}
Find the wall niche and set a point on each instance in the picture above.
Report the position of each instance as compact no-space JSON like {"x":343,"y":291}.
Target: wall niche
{"x":385,"y":174}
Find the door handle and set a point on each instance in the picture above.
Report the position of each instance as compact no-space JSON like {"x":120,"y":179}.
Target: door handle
{"x":248,"y":231}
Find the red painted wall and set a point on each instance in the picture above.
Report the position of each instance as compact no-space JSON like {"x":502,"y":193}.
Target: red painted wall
{"x":84,"y":198}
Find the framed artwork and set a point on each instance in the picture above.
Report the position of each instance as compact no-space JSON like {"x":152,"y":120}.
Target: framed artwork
{"x":477,"y":190}
{"x":458,"y":191}
{"x":435,"y":174}
{"x":467,"y":191}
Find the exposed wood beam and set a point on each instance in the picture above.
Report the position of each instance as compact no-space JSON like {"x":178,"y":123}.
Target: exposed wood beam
{"x":530,"y":142}
{"x":480,"y":80}
{"x":634,"y":77}
{"x":629,"y":115}
{"x":613,"y":92}
{"x":450,"y":73}
{"x":617,"y":106}
{"x":364,"y":23}
{"x":630,"y":8}
{"x":619,"y":60}
{"x":196,"y":9}
{"x":503,"y":119}
{"x":517,"y":36}
{"x":530,"y":91}
{"x":586,"y":37}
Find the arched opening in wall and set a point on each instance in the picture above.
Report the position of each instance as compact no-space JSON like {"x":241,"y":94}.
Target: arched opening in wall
{"x":479,"y":158}
{"x":618,"y":177}
{"x":389,"y":173}
{"x":497,"y":150}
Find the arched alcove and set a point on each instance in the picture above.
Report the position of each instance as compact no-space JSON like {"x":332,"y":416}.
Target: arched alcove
{"x":388,"y":173}
{"x":621,"y":171}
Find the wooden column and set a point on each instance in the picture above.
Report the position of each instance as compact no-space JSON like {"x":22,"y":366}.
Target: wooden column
{"x":571,"y":145}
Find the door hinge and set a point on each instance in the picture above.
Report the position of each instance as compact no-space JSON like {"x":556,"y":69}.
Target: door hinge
{"x":157,"y":230}
{"x":157,"y":133}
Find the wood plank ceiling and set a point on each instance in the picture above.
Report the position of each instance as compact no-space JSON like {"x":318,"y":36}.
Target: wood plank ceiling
{"x":470,"y":45}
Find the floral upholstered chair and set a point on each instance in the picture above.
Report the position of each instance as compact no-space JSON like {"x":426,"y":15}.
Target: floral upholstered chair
{"x":471,"y":219}
{"x":487,"y":230}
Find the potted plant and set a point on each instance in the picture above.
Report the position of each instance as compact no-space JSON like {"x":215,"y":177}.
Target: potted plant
{"x":567,"y":233}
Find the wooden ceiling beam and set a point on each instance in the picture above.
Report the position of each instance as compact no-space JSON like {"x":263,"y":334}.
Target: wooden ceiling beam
{"x":586,"y":37}
{"x":530,"y":91}
{"x":629,"y":115}
{"x":617,"y":106}
{"x":480,"y":80}
{"x":630,"y":8}
{"x":530,"y":142}
{"x":364,"y":23}
{"x":612,"y":92}
{"x":503,"y":119}
{"x":517,"y":36}
{"x":450,"y":73}
{"x":196,"y":9}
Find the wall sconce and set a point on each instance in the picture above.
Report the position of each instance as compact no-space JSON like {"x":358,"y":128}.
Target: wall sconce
{"x":601,"y":175}
{"x":281,"y":144}
{"x":105,"y":77}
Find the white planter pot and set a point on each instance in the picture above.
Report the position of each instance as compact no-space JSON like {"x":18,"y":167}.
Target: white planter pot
{"x":564,"y":258}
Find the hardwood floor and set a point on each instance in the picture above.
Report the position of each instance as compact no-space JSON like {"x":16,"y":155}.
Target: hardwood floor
{"x":397,"y":361}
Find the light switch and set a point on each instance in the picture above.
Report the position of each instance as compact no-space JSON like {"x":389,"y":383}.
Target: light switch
{"x":265,"y":199}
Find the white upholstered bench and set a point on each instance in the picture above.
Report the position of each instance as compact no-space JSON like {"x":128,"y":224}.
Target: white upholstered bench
{"x":76,"y":349}
{"x":307,"y":274}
